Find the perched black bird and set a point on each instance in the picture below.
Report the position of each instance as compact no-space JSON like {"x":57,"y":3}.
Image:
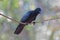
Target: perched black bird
{"x":27,"y":18}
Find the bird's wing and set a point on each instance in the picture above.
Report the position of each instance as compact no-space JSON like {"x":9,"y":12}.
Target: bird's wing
{"x":26,"y":16}
{"x":21,"y":26}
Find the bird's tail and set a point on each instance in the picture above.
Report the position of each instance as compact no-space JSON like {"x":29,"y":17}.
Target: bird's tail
{"x":19,"y":28}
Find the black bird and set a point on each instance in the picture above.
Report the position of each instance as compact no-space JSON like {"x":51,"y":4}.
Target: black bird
{"x":27,"y":18}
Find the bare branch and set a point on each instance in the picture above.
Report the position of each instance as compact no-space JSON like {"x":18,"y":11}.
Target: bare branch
{"x":26,"y":23}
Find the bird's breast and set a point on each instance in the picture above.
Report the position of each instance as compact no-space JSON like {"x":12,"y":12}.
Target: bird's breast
{"x":31,"y":18}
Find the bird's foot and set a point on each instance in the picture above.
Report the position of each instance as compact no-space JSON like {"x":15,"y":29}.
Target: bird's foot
{"x":33,"y":23}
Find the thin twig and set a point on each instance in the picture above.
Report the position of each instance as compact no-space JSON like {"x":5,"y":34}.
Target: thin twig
{"x":26,"y":23}
{"x":11,"y":19}
{"x":48,"y":19}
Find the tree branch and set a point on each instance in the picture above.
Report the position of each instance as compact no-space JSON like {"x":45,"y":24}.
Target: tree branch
{"x":26,"y":23}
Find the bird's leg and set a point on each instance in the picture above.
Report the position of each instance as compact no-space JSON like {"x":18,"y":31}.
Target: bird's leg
{"x":33,"y":22}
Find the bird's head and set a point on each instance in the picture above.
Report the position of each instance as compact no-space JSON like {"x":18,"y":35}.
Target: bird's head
{"x":37,"y":10}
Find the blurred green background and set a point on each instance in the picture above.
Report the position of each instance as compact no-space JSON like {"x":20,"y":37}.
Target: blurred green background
{"x":44,"y":30}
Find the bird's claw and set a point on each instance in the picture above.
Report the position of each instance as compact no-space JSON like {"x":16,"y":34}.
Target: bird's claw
{"x":33,"y":23}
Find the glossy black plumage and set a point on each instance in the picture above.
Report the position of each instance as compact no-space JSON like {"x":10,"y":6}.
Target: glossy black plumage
{"x":27,"y":18}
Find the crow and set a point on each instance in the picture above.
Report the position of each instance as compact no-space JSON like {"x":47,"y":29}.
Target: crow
{"x":27,"y":18}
